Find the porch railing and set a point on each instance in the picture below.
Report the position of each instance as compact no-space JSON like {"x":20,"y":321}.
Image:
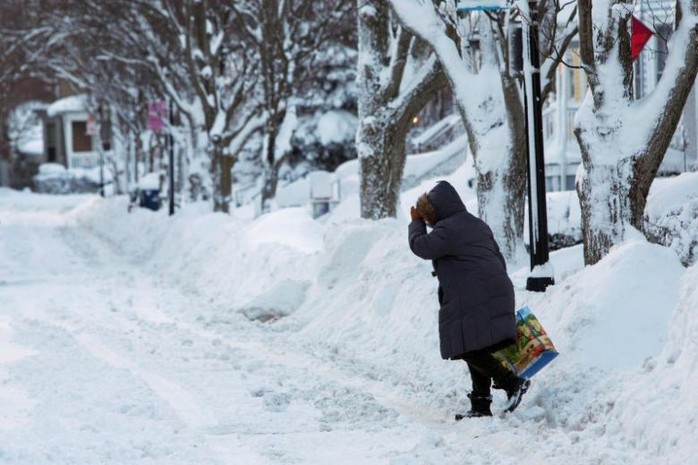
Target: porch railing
{"x":84,"y":160}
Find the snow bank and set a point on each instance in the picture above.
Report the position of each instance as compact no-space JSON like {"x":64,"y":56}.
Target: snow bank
{"x":236,"y":264}
{"x":615,"y":314}
{"x":291,"y":227}
{"x":659,"y":408}
{"x":350,"y":292}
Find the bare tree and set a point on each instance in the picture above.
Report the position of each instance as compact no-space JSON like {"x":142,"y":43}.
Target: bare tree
{"x":622,"y":139}
{"x":397,"y":76}
{"x":474,"y":49}
{"x":286,"y":35}
{"x":24,"y":42}
{"x":212,"y":80}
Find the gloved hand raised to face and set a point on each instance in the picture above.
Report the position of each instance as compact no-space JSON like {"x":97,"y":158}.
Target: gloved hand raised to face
{"x":414,"y":214}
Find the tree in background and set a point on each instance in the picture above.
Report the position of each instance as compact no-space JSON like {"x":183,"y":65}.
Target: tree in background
{"x":89,"y":56}
{"x":23,"y":45}
{"x":326,"y":107}
{"x":287,"y":36}
{"x":623,"y":140}
{"x":210,"y":74}
{"x":397,"y":75}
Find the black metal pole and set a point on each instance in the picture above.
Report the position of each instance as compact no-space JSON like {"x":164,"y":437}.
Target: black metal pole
{"x":542,"y":275}
{"x":101,"y":172}
{"x":102,"y":134}
{"x":171,"y":167}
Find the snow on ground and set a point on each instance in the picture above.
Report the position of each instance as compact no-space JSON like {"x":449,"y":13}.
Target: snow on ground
{"x":212,"y":339}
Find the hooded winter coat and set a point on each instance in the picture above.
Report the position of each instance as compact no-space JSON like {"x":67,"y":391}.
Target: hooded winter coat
{"x":475,"y":292}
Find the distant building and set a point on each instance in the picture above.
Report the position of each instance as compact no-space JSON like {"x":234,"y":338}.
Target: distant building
{"x":70,"y":137}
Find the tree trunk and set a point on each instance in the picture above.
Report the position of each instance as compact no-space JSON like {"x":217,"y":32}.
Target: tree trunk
{"x":501,"y":195}
{"x":603,"y":192}
{"x":613,"y":186}
{"x":514,"y":175}
{"x":221,"y":167}
{"x":381,"y":168}
{"x":271,"y":171}
{"x":271,"y":181}
{"x":501,"y":187}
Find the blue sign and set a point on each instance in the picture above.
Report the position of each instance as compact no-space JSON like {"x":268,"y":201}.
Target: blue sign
{"x":481,"y":5}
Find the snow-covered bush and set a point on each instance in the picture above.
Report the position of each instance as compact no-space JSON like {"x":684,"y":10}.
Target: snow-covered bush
{"x":55,"y":179}
{"x":324,"y":137}
{"x":325,"y":140}
{"x":671,"y":216}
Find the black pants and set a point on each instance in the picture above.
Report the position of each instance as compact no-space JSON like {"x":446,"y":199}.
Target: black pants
{"x":484,"y":368}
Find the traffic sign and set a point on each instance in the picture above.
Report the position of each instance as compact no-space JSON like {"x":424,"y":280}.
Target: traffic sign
{"x":157,"y":114}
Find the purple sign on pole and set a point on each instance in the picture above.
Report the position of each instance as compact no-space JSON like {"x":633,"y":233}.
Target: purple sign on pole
{"x":157,"y":112}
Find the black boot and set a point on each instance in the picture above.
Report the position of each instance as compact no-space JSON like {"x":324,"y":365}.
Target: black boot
{"x":515,"y":390}
{"x":479,"y":407}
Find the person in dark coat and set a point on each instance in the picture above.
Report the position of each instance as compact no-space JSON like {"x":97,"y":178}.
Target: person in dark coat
{"x":475,"y":293}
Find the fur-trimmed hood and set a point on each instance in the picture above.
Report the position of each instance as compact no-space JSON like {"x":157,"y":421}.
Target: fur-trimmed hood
{"x":445,"y":200}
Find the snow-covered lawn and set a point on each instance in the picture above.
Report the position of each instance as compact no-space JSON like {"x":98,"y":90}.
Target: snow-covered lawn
{"x":208,"y":339}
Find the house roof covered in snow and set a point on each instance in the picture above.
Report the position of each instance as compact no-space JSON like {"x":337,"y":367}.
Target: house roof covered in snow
{"x":71,"y":104}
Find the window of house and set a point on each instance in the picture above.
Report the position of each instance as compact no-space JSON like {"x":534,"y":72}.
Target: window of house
{"x":82,"y":142}
{"x":664,"y":31}
{"x":549,"y":184}
{"x":639,"y":78}
{"x":579,"y":78}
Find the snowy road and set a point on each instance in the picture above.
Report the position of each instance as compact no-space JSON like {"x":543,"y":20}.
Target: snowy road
{"x":105,"y":360}
{"x":114,"y":374}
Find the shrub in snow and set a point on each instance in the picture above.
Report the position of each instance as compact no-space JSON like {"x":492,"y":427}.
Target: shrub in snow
{"x":678,"y":229}
{"x":559,"y":241}
{"x":55,"y":179}
{"x":671,"y":216}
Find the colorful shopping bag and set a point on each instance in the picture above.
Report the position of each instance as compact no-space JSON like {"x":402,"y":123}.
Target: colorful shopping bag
{"x":533,"y":349}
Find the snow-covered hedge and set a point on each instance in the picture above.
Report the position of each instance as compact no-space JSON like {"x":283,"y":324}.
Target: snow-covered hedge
{"x":55,"y":179}
{"x":671,"y":216}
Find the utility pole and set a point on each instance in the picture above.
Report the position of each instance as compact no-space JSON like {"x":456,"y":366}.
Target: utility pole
{"x":171,"y":170}
{"x":104,"y":136}
{"x":542,"y":273}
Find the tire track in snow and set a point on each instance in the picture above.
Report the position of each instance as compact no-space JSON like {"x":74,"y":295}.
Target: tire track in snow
{"x":179,"y":399}
{"x":383,"y":393}
{"x":95,"y":253}
{"x":289,"y":358}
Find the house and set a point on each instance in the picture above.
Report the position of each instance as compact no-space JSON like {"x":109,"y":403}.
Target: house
{"x":659,"y":15}
{"x":562,"y":155}
{"x":70,"y":135}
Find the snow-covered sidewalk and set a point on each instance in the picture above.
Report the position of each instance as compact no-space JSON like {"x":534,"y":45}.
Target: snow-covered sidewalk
{"x":210,"y":340}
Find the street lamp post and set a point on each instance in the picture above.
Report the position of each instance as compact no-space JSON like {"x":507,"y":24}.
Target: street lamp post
{"x":542,"y":274}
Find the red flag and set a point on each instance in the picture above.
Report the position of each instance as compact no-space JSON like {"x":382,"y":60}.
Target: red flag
{"x":640,"y":35}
